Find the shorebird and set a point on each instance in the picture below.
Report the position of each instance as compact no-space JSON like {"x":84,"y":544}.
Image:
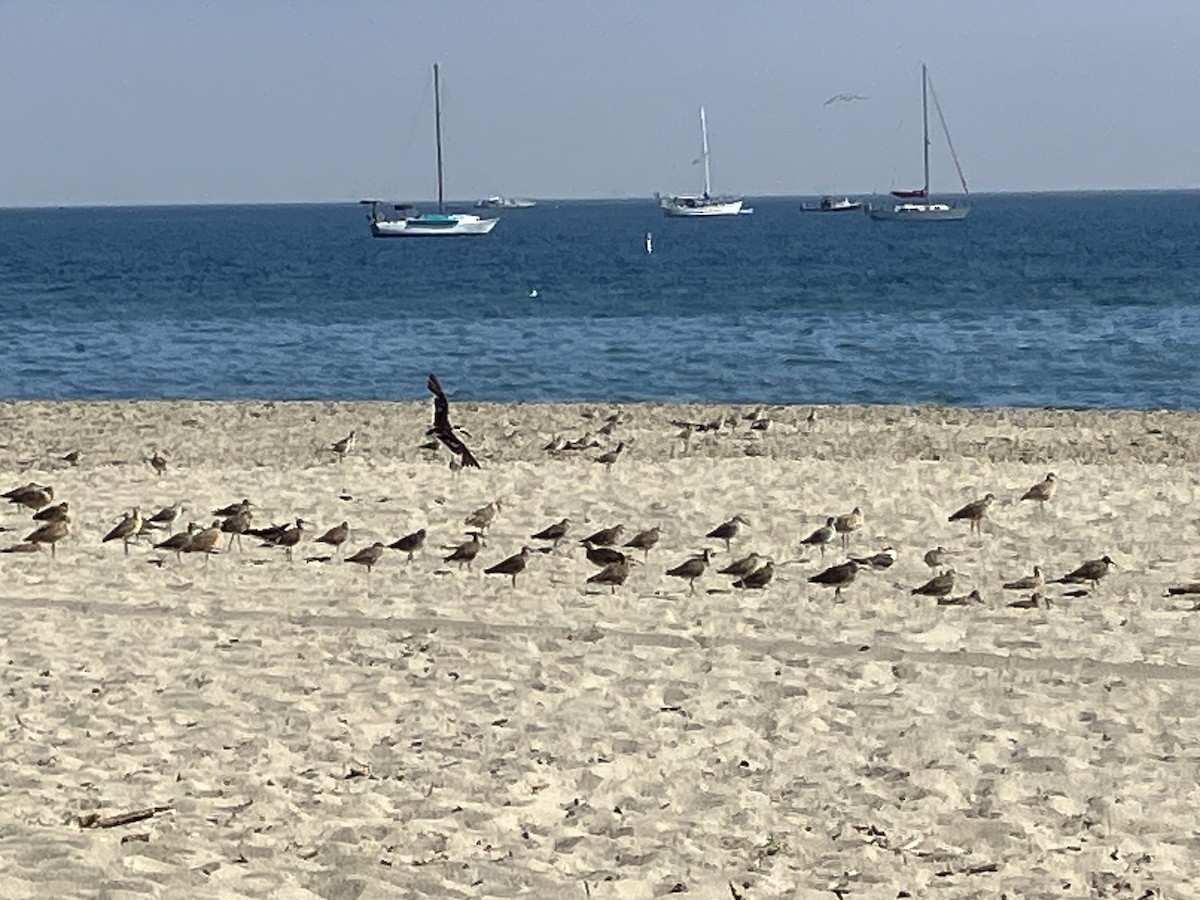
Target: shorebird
{"x":126,"y":530}
{"x":974,"y":512}
{"x":1042,"y":491}
{"x":32,"y":496}
{"x":727,"y":531}
{"x":644,"y":541}
{"x":336,"y":536}
{"x":555,"y":532}
{"x":205,"y":541}
{"x":691,"y":569}
{"x":822,"y":536}
{"x":884,"y":559}
{"x":1028,"y":583}
{"x":368,"y":556}
{"x":166,"y":516}
{"x":741,"y":567}
{"x":232,"y":509}
{"x":53,"y":513}
{"x":603,"y":556}
{"x":483,"y":517}
{"x":23,"y":547}
{"x":410,"y":543}
{"x":50,"y":533}
{"x":1034,"y":601}
{"x":607,"y":459}
{"x":973,"y":598}
{"x":466,"y":551}
{"x":836,"y":577}
{"x":235,"y":526}
{"x":157,"y":462}
{"x":1091,"y":571}
{"x":614,"y":574}
{"x":290,"y":537}
{"x":513,"y":566}
{"x":344,"y":446}
{"x":71,"y":458}
{"x":758,"y":579}
{"x":442,"y":428}
{"x":178,"y":541}
{"x":935,"y":557}
{"x":847,"y":524}
{"x":605,"y":537}
{"x":937,"y":586}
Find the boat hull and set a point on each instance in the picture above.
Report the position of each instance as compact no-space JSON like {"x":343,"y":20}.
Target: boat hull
{"x":918,"y":212}
{"x":699,"y":207}
{"x":442,"y":226}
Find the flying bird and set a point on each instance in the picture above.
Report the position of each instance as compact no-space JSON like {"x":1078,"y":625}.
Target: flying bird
{"x":845,"y":98}
{"x":442,"y":428}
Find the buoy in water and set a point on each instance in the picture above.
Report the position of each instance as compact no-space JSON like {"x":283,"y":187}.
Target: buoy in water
{"x":649,"y":242}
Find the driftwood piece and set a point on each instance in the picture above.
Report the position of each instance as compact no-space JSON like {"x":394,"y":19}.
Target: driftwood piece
{"x":95,"y":820}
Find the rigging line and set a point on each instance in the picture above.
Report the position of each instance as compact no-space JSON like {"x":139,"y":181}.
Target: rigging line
{"x":946,"y":131}
{"x":418,"y":114}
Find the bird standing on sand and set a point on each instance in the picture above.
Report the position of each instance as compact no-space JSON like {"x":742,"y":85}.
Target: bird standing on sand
{"x":232,"y":509}
{"x":727,"y":531}
{"x":974,"y":512}
{"x":1042,"y":491}
{"x":483,"y":517}
{"x":937,"y":586}
{"x":442,"y":428}
{"x":691,"y":569}
{"x":126,"y":530}
{"x":836,"y":577}
{"x":741,"y":567}
{"x":847,"y":524}
{"x":1034,"y":601}
{"x":53,"y":513}
{"x":178,"y":542}
{"x":607,"y":459}
{"x":235,"y":526}
{"x":513,"y":566}
{"x":1029,"y":583}
{"x":822,"y":536}
{"x":290,"y":537}
{"x":205,"y":541}
{"x":758,"y":579}
{"x":336,"y":536}
{"x":466,"y":551}
{"x":555,"y":532}
{"x":614,"y":574}
{"x":410,"y":543}
{"x":31,"y":496}
{"x":603,"y":556}
{"x":157,"y":462}
{"x":368,"y":556}
{"x":50,"y":533}
{"x":344,"y":446}
{"x":1091,"y":571}
{"x":644,"y":541}
{"x":935,"y":557}
{"x":166,"y":516}
{"x":605,"y":537}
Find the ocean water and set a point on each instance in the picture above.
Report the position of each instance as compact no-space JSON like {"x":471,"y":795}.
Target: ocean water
{"x":1087,"y":300}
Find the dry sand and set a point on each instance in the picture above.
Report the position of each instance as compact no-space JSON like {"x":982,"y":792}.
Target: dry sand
{"x":431,"y":732}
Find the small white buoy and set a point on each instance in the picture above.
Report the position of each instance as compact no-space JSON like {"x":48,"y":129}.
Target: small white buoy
{"x":649,"y":242}
{"x":533,"y":293}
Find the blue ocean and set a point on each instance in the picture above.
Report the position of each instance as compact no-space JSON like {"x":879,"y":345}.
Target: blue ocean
{"x":1072,"y":300}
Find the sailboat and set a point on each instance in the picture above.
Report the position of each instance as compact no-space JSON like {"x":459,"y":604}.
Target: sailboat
{"x":402,"y":220}
{"x":916,"y":205}
{"x":679,"y":205}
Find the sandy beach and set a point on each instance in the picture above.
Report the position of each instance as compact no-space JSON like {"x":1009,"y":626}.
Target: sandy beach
{"x":306,"y":729}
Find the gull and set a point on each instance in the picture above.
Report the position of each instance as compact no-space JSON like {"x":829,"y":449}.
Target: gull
{"x":344,"y":446}
{"x":1029,"y":582}
{"x":466,"y":551}
{"x":513,"y":566}
{"x":613,"y":574}
{"x":821,"y":536}
{"x":410,"y":543}
{"x":884,"y":559}
{"x":741,"y":567}
{"x":644,"y":541}
{"x":727,"y":531}
{"x":974,"y":512}
{"x":1042,"y":491}
{"x":53,"y":513}
{"x":50,"y":533}
{"x":848,"y":523}
{"x":758,"y":579}
{"x":836,"y":577}
{"x":368,"y":556}
{"x":33,"y":496}
{"x":691,"y":569}
{"x":483,"y":517}
{"x":605,"y":537}
{"x":178,"y":541}
{"x":845,"y":98}
{"x":1091,"y":571}
{"x":126,"y":530}
{"x":555,"y":532}
{"x":442,"y":428}
{"x":336,"y":536}
{"x":937,"y":586}
{"x":965,"y":600}
{"x":607,"y":459}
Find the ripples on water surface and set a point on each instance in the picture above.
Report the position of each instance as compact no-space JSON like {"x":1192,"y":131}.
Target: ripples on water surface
{"x":1072,"y":300}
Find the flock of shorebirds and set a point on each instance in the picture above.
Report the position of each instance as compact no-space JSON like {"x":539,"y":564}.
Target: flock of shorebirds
{"x":607,"y":549}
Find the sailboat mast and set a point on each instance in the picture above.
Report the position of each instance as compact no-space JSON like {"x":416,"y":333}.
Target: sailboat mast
{"x":437,"y":119}
{"x":925,"y":122}
{"x":704,"y":153}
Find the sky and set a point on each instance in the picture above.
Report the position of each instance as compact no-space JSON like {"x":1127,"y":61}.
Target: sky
{"x":254,"y":101}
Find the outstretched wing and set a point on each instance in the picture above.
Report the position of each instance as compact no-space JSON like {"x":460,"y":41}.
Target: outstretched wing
{"x":442,"y":428}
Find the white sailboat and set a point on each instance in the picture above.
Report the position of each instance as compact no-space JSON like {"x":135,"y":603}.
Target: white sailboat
{"x":402,"y":220}
{"x":689,"y":205}
{"x":916,"y":205}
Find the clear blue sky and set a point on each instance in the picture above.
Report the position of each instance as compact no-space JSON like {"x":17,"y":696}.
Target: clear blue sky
{"x":244,"y":101}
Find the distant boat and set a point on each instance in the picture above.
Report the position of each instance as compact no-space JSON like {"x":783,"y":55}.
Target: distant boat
{"x":403,"y":220}
{"x":498,"y":202}
{"x":916,"y":205}
{"x":832,"y":204}
{"x":690,"y":205}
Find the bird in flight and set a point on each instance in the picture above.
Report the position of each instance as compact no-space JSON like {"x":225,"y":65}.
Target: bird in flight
{"x":442,"y":427}
{"x":845,"y":98}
